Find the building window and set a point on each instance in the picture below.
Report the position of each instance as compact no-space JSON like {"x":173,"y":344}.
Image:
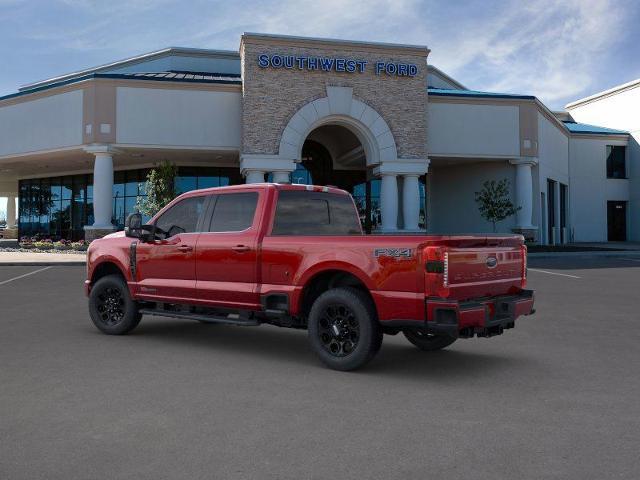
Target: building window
{"x":60,"y":207}
{"x":563,"y":212}
{"x":128,"y":185}
{"x":422,"y":221}
{"x":616,"y":161}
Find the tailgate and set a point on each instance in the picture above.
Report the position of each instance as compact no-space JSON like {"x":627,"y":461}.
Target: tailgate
{"x":486,"y":271}
{"x":475,"y":271}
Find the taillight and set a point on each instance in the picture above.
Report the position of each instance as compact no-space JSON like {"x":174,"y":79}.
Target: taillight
{"x":445,"y":279}
{"x":437,"y":271}
{"x":523,"y":251}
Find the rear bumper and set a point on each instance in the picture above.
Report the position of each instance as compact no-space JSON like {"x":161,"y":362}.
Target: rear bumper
{"x":483,"y":317}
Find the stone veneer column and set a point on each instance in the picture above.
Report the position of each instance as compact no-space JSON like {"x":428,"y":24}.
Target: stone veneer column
{"x":102,"y":192}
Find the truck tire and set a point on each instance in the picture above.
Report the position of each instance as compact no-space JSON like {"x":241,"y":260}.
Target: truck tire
{"x":428,"y":341}
{"x":111,"y":308}
{"x":343,"y":329}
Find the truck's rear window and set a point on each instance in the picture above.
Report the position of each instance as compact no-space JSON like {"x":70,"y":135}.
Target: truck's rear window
{"x":315,"y":213}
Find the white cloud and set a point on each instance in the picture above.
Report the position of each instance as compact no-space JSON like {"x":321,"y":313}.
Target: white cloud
{"x":545,"y":48}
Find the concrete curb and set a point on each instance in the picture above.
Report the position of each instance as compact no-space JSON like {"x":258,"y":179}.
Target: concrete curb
{"x":611,"y":253}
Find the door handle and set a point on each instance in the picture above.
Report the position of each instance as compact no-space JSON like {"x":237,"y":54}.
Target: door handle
{"x":240,"y":248}
{"x":185,"y":248}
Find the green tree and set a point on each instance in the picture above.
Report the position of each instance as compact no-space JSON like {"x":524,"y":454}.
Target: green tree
{"x":160,"y":189}
{"x":494,"y":201}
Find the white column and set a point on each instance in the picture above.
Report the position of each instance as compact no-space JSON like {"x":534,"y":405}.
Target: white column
{"x":524,"y":192}
{"x":281,"y":177}
{"x":410,"y":170}
{"x":102,"y":187}
{"x":389,"y":202}
{"x":254,"y":165}
{"x":103,"y":190}
{"x":411,"y":202}
{"x":254,"y":176}
{"x":11,"y":212}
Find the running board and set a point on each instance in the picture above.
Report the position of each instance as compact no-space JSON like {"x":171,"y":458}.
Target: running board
{"x":200,"y":317}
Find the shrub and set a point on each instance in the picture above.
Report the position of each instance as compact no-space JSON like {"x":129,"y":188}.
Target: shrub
{"x":494,"y":202}
{"x":160,"y":189}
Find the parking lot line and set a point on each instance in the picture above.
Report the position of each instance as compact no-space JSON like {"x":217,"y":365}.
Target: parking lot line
{"x":553,"y":273}
{"x":25,"y":275}
{"x":631,"y":259}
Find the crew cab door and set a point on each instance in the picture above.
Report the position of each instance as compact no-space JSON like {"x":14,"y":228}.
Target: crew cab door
{"x":227,"y":254}
{"x":166,"y":269}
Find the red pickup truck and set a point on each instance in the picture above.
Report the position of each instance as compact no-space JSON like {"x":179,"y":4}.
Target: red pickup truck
{"x":295,"y":256}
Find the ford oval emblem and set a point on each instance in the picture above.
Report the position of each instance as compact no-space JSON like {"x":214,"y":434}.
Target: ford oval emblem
{"x":492,"y":262}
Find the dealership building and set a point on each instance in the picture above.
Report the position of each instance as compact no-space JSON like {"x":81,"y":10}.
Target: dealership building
{"x":410,"y":143}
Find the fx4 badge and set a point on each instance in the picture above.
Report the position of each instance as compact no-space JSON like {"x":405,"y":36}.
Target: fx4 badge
{"x":393,"y":252}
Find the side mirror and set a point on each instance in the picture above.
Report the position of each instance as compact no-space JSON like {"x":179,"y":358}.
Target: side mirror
{"x":133,"y":225}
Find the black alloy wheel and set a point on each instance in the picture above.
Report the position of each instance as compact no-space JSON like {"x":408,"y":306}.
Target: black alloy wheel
{"x":339,"y":330}
{"x":111,"y":308}
{"x":343,"y":328}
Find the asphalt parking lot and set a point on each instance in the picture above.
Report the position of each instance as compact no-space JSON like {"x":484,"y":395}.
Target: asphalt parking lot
{"x":557,"y":397}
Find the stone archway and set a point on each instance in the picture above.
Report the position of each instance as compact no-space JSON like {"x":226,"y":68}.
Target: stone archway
{"x":340,"y":108}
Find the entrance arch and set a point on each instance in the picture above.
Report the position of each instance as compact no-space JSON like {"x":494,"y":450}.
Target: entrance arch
{"x":333,"y":155}
{"x":399,"y":180}
{"x":340,"y":108}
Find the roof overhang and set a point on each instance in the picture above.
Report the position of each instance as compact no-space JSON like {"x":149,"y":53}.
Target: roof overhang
{"x":469,"y":96}
{"x":605,"y":93}
{"x":419,"y":50}
{"x":145,"y":57}
{"x":448,"y":78}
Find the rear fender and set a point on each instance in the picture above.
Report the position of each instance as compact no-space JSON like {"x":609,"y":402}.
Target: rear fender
{"x":307,"y":275}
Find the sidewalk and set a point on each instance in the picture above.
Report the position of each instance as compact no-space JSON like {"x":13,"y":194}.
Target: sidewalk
{"x":37,"y":259}
{"x":608,"y":249}
{"x":593,"y":253}
{"x":617,"y":245}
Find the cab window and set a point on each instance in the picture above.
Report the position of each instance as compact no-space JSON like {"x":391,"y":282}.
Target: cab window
{"x":233,"y":212}
{"x":182,"y":217}
{"x":301,"y":212}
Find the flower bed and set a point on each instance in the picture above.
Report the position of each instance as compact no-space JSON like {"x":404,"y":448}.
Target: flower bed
{"x":37,"y":244}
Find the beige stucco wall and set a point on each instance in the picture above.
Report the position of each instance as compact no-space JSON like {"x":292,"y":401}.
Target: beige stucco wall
{"x":54,"y":121}
{"x":620,"y":110}
{"x":271,"y":96}
{"x":590,"y":189}
{"x":467,"y":129}
{"x":177,"y":117}
{"x":451,"y":196}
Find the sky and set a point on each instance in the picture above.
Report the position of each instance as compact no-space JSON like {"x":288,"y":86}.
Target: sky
{"x":557,"y":50}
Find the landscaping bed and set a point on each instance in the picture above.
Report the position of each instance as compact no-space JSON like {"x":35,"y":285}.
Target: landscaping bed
{"x":39,"y":245}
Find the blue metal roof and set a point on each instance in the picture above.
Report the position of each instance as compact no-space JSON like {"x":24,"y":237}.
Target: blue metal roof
{"x":585,"y":128}
{"x":444,"y":92}
{"x":188,"y":77}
